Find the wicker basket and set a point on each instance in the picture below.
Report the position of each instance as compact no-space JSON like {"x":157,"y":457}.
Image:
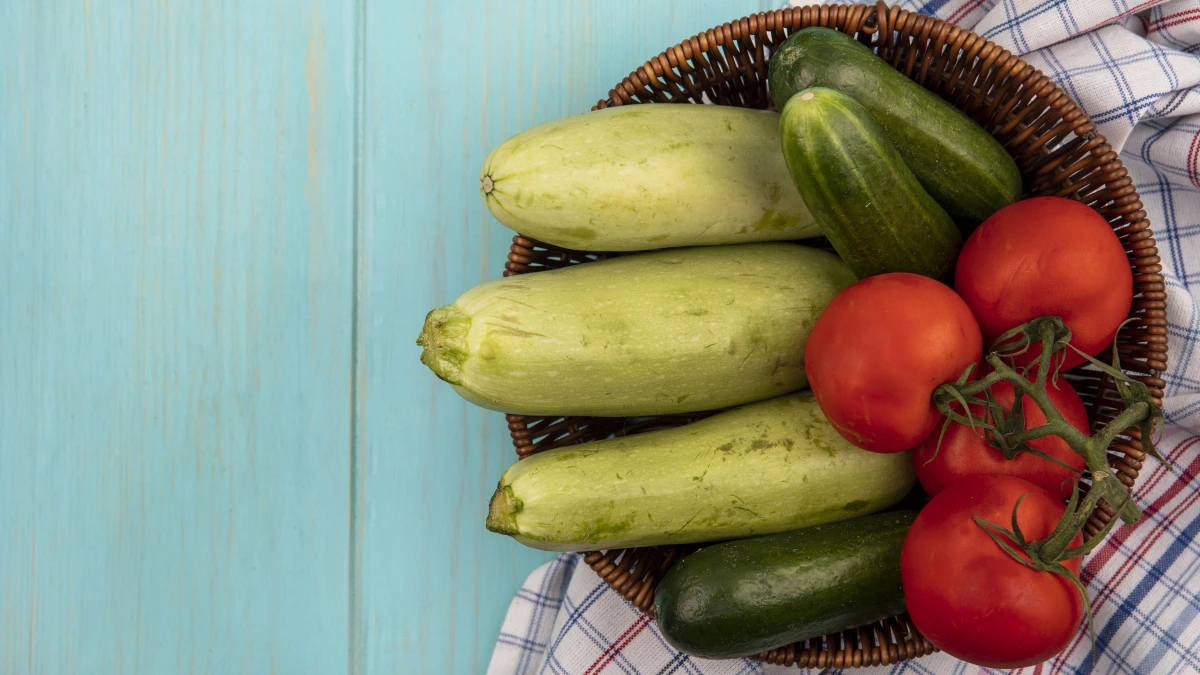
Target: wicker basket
{"x":1059,"y":153}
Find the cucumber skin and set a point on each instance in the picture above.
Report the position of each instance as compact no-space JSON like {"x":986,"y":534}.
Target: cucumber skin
{"x":642,"y":177}
{"x":655,"y":333}
{"x":746,"y":597}
{"x":871,"y":207}
{"x":960,"y":164}
{"x":768,"y":467}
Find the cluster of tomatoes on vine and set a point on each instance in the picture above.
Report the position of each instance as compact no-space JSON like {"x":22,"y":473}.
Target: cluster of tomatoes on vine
{"x":1001,"y":442}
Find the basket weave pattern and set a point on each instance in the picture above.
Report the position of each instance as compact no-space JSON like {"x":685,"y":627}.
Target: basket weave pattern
{"x":1055,"y":146}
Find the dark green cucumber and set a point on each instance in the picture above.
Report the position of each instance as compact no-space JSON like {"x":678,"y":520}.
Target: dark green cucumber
{"x":748,"y":596}
{"x":965,"y":169}
{"x":865,"y":198}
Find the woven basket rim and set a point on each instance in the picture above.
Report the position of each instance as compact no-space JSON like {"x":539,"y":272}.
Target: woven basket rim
{"x":1060,"y":152}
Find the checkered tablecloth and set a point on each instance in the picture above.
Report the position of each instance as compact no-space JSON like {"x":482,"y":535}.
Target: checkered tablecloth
{"x":1134,"y":67}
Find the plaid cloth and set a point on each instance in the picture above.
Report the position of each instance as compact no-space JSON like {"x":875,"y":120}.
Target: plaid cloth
{"x":1134,"y":68}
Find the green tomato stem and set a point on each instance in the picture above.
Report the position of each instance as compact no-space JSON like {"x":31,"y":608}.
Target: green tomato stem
{"x":1005,"y":429}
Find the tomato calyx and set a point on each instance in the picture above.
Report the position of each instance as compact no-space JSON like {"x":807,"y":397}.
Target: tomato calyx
{"x":1048,"y":554}
{"x":1003,"y":427}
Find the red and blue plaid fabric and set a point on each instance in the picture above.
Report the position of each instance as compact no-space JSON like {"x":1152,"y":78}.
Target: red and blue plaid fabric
{"x":1135,"y":68}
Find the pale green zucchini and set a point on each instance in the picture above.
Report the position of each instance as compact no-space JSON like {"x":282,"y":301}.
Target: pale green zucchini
{"x":654,"y":333}
{"x":643,"y":177}
{"x":767,"y":467}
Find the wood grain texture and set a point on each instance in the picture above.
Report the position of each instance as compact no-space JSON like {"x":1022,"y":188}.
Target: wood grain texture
{"x":444,"y":83}
{"x":175,"y":294}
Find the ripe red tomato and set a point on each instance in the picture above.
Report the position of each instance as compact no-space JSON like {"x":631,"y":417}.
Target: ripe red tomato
{"x":1047,"y":256}
{"x":879,"y":350}
{"x":965,"y":452}
{"x":968,"y":596}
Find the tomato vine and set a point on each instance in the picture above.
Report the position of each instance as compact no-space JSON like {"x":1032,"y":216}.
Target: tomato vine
{"x":1004,"y":429}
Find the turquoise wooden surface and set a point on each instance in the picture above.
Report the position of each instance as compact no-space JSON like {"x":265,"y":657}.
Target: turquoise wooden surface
{"x":175,"y":293}
{"x":221,"y":224}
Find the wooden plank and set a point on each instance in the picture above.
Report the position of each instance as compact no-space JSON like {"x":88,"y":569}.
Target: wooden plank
{"x":175,"y":303}
{"x":444,"y":83}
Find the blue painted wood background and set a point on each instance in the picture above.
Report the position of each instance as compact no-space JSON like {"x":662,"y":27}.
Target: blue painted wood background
{"x":221,"y":225}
